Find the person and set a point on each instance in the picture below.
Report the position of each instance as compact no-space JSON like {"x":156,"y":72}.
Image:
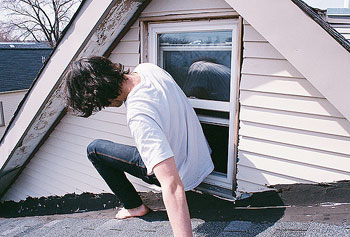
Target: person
{"x":171,"y":150}
{"x":208,"y":80}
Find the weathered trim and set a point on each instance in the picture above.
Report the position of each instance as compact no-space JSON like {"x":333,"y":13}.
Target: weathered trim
{"x":125,"y":30}
{"x":41,"y":70}
{"x":18,"y":170}
{"x":51,"y":109}
{"x":236,"y":126}
{"x":318,"y":19}
{"x":190,"y":16}
{"x":317,"y":60}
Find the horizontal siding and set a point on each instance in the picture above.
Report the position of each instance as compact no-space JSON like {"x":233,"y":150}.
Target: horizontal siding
{"x":342,"y":26}
{"x":298,"y":104}
{"x":289,"y":133}
{"x":296,"y":137}
{"x":278,"y":85}
{"x":306,"y":122}
{"x":251,"y":35}
{"x":61,"y":165}
{"x":10,"y":101}
{"x":293,"y":153}
{"x":269,"y":67}
{"x":261,"y":50}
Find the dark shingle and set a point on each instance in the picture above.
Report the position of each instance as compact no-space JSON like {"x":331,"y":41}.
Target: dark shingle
{"x":20,"y":64}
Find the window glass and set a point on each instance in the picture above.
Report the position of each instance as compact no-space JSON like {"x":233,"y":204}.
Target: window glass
{"x":200,"y":62}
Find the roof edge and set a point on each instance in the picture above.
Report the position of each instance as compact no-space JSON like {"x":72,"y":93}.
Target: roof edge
{"x":311,"y":12}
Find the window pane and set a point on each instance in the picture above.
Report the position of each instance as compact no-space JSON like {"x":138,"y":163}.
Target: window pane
{"x":217,"y":137}
{"x":199,"y":62}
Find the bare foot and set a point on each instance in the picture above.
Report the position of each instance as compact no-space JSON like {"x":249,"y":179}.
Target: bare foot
{"x":138,"y":211}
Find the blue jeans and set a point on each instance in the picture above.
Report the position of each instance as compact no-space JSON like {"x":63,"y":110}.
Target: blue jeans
{"x":111,"y":160}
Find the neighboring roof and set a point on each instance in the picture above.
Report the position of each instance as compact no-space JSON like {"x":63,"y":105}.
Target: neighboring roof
{"x":20,"y":63}
{"x":109,"y":20}
{"x":24,"y":45}
{"x":338,"y":12}
{"x":92,"y":30}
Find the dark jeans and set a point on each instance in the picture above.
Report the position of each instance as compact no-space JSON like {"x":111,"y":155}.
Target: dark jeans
{"x":111,"y":160}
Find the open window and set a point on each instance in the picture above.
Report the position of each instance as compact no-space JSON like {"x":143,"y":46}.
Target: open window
{"x":201,"y":57}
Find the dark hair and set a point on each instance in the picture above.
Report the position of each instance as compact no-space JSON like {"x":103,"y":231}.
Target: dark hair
{"x":91,"y":83}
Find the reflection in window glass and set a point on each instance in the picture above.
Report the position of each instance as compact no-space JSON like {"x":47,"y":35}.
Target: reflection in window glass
{"x":199,"y":62}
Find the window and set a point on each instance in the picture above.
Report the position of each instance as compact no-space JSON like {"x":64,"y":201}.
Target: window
{"x":2,"y":119}
{"x":201,"y":57}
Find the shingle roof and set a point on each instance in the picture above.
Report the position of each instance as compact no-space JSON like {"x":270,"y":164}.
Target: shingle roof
{"x":20,"y":63}
{"x":23,"y":45}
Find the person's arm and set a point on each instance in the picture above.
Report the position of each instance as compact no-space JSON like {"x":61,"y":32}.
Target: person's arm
{"x":174,"y":197}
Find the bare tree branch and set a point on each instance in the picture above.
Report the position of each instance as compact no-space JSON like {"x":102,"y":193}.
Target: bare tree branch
{"x":39,"y":20}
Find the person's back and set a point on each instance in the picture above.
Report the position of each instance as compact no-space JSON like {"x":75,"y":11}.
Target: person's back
{"x":158,"y":98}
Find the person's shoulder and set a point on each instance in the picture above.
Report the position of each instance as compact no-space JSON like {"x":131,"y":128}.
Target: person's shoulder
{"x":147,"y":66}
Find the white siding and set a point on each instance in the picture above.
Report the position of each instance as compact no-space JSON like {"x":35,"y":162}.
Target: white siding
{"x":341,"y":24}
{"x":61,"y":166}
{"x":289,"y":133}
{"x":10,"y":101}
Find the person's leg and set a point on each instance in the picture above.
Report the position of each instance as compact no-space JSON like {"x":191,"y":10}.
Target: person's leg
{"x":111,"y":160}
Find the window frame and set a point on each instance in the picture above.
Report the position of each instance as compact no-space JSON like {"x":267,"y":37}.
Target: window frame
{"x":2,"y":116}
{"x":155,"y":28}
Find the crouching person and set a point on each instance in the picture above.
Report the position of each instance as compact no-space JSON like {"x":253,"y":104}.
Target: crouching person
{"x":171,"y":150}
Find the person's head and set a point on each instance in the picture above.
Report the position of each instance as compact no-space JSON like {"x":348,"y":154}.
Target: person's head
{"x":92,"y":83}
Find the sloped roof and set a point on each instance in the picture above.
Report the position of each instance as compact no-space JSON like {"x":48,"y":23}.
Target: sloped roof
{"x":23,"y":45}
{"x":20,"y":63}
{"x":280,"y":28}
{"x":319,"y":53}
{"x":92,"y":30}
{"x":324,"y":24}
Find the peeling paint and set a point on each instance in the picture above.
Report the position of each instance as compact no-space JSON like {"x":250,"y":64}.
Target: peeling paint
{"x":116,"y":19}
{"x":97,"y":44}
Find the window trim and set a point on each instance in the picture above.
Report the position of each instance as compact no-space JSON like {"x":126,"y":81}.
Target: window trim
{"x":2,"y":116}
{"x":154,"y":28}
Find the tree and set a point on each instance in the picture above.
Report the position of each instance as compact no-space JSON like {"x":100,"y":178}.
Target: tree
{"x":38,"y":20}
{"x":5,"y":36}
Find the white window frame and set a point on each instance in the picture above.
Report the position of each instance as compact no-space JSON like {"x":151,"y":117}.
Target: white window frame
{"x":216,"y":178}
{"x":2,"y":117}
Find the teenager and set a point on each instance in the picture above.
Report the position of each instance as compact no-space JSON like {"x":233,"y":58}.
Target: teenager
{"x":171,"y":150}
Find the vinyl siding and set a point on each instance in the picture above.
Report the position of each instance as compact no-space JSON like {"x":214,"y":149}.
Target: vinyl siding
{"x":289,"y":133}
{"x":341,"y":24}
{"x":61,"y":165}
{"x":10,"y":101}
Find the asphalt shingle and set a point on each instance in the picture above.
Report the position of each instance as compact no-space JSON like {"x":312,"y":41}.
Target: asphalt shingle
{"x":20,"y":65}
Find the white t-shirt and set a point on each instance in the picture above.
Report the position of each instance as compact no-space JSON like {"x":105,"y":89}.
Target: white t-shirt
{"x":164,"y":124}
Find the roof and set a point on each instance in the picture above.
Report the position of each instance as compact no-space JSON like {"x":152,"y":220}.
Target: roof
{"x":97,"y":25}
{"x":325,"y":25}
{"x":20,"y":63}
{"x":210,"y":216}
{"x":92,"y":30}
{"x":24,"y":45}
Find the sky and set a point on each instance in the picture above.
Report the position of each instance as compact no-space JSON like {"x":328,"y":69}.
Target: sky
{"x":324,"y":4}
